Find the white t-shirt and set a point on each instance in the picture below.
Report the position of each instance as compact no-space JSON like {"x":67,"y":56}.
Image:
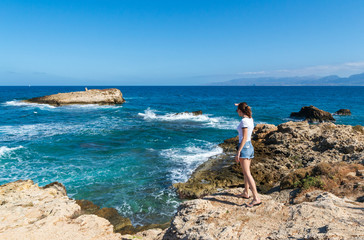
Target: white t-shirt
{"x":245,"y":123}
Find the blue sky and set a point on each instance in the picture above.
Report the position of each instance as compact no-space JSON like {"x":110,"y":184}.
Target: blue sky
{"x":135,"y":42}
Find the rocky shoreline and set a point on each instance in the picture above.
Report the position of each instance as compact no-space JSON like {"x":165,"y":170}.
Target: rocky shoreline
{"x":310,"y":177}
{"x":279,"y":150}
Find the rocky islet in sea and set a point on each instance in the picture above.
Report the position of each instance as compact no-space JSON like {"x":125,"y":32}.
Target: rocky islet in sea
{"x":343,"y":111}
{"x":92,"y":96}
{"x":313,"y":114}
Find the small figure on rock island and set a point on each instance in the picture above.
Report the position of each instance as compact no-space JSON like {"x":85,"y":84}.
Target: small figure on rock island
{"x":246,"y":151}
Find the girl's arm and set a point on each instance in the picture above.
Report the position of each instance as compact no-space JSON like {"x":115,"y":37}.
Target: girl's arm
{"x":245,"y":137}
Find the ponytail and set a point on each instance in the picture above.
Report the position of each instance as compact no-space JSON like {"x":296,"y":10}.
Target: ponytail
{"x":245,"y":109}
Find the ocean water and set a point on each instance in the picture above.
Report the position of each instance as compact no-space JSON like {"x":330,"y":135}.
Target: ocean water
{"x":128,"y":156}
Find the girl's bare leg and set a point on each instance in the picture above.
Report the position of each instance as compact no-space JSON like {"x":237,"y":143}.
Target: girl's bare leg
{"x":246,"y":168}
{"x":246,"y":183}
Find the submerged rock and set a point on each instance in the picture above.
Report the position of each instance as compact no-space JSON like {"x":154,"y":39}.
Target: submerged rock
{"x":93,"y":96}
{"x":313,"y":114}
{"x":121,"y":224}
{"x":194,"y":113}
{"x":343,"y":112}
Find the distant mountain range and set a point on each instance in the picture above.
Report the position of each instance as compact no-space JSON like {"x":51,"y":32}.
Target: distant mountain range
{"x":334,"y":80}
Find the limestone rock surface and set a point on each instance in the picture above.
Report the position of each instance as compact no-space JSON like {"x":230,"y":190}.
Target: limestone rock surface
{"x":151,"y":234}
{"x":31,"y":212}
{"x":92,"y":96}
{"x":224,"y":215}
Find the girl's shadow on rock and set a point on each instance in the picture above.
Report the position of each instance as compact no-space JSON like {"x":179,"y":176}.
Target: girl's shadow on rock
{"x":212,"y":198}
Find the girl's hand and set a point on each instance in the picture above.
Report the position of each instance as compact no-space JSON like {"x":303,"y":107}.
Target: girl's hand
{"x":237,"y":158}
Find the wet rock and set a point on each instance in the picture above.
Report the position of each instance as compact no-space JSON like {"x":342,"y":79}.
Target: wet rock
{"x":121,"y":224}
{"x":209,"y":177}
{"x":93,"y":96}
{"x":194,"y":113}
{"x":313,"y":114}
{"x":343,"y":112}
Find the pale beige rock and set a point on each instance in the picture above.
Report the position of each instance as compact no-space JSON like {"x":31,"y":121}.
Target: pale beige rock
{"x":151,"y":234}
{"x":261,"y":130}
{"x":31,"y":212}
{"x":225,"y":216}
{"x":312,"y":144}
{"x":93,"y":96}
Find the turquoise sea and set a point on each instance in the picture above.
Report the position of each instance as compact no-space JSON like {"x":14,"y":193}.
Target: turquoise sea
{"x":128,"y":156}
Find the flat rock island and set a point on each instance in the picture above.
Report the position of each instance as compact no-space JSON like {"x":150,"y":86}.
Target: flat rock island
{"x":92,"y":96}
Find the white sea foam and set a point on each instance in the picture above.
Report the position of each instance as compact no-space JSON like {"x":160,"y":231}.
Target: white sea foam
{"x":29,"y":131}
{"x":206,"y":120}
{"x":188,"y":158}
{"x":5,"y":151}
{"x":90,"y":106}
{"x":292,"y":119}
{"x":18,"y":103}
{"x":150,"y":114}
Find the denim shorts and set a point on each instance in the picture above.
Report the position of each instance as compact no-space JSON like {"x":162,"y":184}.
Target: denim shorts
{"x":247,"y":151}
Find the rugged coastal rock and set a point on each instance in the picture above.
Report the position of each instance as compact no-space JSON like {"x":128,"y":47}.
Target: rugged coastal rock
{"x":93,"y":96}
{"x":224,"y":215}
{"x":341,"y":178}
{"x":31,"y":212}
{"x":278,"y":151}
{"x":313,"y":114}
{"x":345,"y":112}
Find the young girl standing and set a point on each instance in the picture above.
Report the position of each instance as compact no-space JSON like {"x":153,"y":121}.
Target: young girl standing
{"x":246,"y":151}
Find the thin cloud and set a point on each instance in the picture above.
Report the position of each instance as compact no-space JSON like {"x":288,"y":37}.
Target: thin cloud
{"x":253,"y":73}
{"x":343,"y":70}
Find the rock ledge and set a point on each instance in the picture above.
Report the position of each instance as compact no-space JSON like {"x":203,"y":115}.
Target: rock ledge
{"x":93,"y":96}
